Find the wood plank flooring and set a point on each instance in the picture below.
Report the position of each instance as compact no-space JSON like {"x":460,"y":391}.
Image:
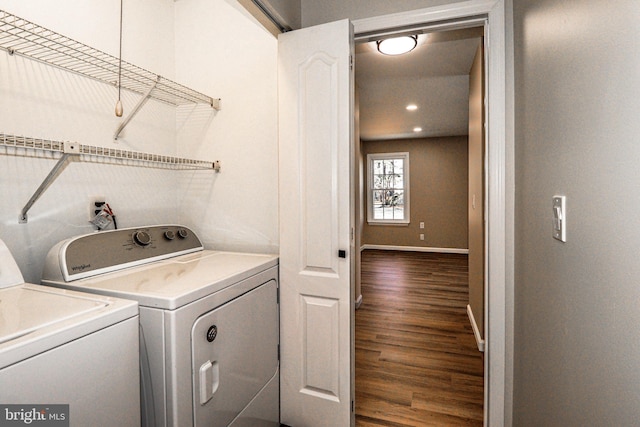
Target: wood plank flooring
{"x":417,"y":363}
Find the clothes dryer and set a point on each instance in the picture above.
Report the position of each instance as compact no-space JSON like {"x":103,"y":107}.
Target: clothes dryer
{"x":209,"y":320}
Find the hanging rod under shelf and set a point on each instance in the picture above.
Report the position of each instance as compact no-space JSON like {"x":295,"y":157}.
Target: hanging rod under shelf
{"x":21,"y":37}
{"x":92,"y":153}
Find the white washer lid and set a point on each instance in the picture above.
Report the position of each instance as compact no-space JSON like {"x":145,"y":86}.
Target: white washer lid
{"x":35,"y":318}
{"x":10,"y":274}
{"x":24,"y":310}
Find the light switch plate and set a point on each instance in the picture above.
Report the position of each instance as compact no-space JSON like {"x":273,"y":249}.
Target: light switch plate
{"x":560,"y":218}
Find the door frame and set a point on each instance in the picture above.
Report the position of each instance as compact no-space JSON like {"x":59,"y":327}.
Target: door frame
{"x":499,"y":189}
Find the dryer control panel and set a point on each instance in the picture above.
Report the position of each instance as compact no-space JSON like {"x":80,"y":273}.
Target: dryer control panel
{"x":103,"y":252}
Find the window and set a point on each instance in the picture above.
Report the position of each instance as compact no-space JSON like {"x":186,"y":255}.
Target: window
{"x":388,"y":177}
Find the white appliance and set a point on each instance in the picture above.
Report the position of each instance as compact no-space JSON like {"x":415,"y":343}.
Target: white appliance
{"x":209,"y":321}
{"x":65,"y":347}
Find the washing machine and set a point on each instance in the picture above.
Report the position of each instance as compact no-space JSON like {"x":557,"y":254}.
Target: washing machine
{"x":66,"y":357}
{"x":209,"y":320}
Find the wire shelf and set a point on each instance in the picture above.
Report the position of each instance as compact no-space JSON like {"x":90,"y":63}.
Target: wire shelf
{"x":100,"y":154}
{"x":21,"y":37}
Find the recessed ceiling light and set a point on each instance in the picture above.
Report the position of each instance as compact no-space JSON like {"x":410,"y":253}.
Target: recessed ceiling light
{"x":412,"y":107}
{"x":417,"y":129}
{"x":397,"y":45}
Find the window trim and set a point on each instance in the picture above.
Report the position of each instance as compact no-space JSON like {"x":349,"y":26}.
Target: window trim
{"x":371,"y":157}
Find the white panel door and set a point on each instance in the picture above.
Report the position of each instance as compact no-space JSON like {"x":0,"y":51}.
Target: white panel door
{"x":316,"y":114}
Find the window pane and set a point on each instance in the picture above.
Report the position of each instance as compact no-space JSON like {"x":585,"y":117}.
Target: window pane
{"x":377,"y":205}
{"x":398,"y":212}
{"x":388,"y":212}
{"x":398,"y":205}
{"x":378,"y":198}
{"x":393,"y":198}
{"x":378,"y":181}
{"x":388,"y":166}
{"x":398,"y":181}
{"x":398,"y":165}
{"x":377,"y":167}
{"x":388,"y":183}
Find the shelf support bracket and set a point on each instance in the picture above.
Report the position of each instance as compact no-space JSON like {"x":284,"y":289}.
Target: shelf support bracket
{"x":135,"y":110}
{"x":69,"y":149}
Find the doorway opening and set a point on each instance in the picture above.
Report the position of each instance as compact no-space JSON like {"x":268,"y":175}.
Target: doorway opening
{"x":323,"y":394}
{"x":430,"y":271}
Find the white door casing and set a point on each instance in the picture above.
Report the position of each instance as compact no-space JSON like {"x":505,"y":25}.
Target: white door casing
{"x":499,"y":180}
{"x":315,"y":85}
{"x":498,"y":317}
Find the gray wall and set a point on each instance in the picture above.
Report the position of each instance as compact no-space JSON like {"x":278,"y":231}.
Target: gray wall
{"x":577,"y":304}
{"x":287,"y":11}
{"x":438,"y":193}
{"x":316,"y":12}
{"x":576,"y":346}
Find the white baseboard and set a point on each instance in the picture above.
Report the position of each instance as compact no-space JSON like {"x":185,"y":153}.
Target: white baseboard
{"x":415,"y":249}
{"x":476,"y":331}
{"x":358,"y":302}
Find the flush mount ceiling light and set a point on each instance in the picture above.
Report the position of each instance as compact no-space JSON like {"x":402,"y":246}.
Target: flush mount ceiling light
{"x":417,"y":129}
{"x":397,"y":45}
{"x":412,"y":107}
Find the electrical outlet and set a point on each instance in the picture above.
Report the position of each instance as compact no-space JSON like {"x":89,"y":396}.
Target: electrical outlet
{"x":421,"y":224}
{"x":422,"y":237}
{"x":95,"y":204}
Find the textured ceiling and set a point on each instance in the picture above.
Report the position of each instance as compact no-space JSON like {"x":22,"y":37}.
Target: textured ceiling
{"x":434,"y":76}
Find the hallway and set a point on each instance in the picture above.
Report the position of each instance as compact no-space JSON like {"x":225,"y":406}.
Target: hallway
{"x":417,"y":363}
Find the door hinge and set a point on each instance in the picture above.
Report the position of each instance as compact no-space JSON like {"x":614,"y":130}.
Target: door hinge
{"x":351,"y":62}
{"x":278,"y":352}
{"x":353,"y":406}
{"x":278,"y":295}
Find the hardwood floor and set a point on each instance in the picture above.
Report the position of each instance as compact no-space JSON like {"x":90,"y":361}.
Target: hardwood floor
{"x":417,"y":363}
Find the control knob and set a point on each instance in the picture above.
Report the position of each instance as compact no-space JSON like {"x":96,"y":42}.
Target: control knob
{"x":182,"y":233}
{"x":212,"y":333}
{"x":169,"y":235}
{"x":142,"y":238}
